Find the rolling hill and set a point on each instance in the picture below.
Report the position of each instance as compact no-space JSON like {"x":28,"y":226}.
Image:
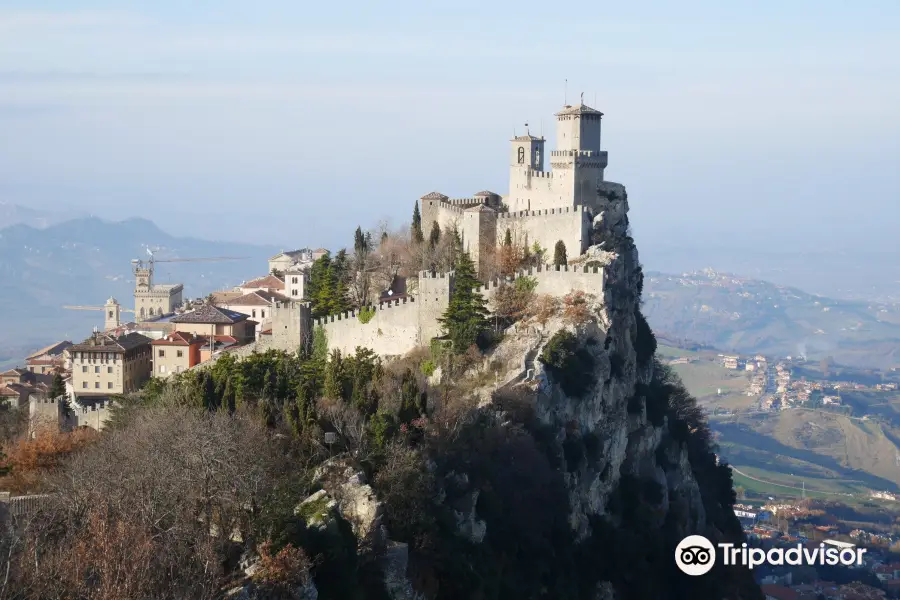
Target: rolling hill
{"x":737,"y":314}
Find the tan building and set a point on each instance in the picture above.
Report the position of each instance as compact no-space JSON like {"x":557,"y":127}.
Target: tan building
{"x":17,"y":385}
{"x":268,"y":283}
{"x":213,"y":321}
{"x":176,"y":352}
{"x":105,"y":364}
{"x":49,"y":359}
{"x":153,"y":299}
{"x":296,"y":281}
{"x":256,"y":305}
{"x":283,"y":260}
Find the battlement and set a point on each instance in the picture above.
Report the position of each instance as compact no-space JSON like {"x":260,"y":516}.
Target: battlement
{"x":541,"y":213}
{"x":451,"y":208}
{"x":542,"y":271}
{"x":540,"y":174}
{"x":354,"y":314}
{"x":435,"y":275}
{"x":467,"y":202}
{"x":587,"y":153}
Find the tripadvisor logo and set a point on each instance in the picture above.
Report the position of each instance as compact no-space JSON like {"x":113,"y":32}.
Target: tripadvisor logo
{"x":696,"y":555}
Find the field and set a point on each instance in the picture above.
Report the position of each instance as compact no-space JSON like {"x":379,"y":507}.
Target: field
{"x":705,"y":376}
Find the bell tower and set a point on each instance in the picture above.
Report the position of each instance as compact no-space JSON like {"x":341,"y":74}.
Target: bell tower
{"x":111,"y":311}
{"x":527,"y":152}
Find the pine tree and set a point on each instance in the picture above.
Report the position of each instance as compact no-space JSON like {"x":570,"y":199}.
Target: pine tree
{"x":559,"y":254}
{"x":416,"y":228}
{"x":320,"y":288}
{"x":507,"y":239}
{"x":434,"y":237}
{"x":465,"y":319}
{"x":57,"y":386}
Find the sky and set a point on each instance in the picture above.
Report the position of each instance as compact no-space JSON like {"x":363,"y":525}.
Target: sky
{"x":740,"y":124}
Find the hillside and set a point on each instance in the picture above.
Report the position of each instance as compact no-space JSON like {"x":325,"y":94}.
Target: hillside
{"x":85,"y":261}
{"x":738,"y":314}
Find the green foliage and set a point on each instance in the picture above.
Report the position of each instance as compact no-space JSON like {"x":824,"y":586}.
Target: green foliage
{"x":465,"y":320}
{"x":644,"y":340}
{"x":570,"y":365}
{"x":327,"y":291}
{"x":57,"y":386}
{"x":525,"y":284}
{"x":416,"y":228}
{"x":559,"y":254}
{"x":434,"y":237}
{"x":383,"y":427}
{"x":507,"y":238}
{"x":319,"y":344}
{"x":428,"y":367}
{"x":365,"y":314}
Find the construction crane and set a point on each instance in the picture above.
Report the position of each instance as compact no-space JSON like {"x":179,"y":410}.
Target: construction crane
{"x":147,"y":266}
{"x":112,"y":310}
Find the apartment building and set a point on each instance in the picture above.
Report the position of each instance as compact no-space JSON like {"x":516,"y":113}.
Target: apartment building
{"x":106,"y":364}
{"x":177,"y":352}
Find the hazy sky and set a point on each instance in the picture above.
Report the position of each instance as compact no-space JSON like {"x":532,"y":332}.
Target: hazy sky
{"x":290,"y":122}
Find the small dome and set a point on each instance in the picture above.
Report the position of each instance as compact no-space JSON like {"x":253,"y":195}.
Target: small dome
{"x":112,"y":301}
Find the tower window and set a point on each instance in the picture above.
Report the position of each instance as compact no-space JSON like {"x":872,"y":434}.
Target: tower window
{"x":521,"y":155}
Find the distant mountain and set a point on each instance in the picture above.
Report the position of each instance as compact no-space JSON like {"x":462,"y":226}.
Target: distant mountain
{"x":744,"y":315}
{"x":85,"y":261}
{"x":15,"y":214}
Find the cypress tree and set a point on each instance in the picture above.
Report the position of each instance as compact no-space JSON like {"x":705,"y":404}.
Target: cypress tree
{"x":416,"y":228}
{"x":559,"y":254}
{"x":465,"y":319}
{"x":320,"y":287}
{"x":228,"y":397}
{"x":334,"y":380}
{"x":57,"y":386}
{"x":435,"y":236}
{"x":507,"y":239}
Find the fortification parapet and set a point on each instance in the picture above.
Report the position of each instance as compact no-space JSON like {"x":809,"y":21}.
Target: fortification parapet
{"x":540,"y":174}
{"x":354,"y":314}
{"x":588,"y":279}
{"x":561,"y":210}
{"x":468,"y":202}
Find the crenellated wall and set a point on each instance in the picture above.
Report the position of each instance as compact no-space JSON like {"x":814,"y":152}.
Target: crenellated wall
{"x":392,"y":331}
{"x":571,"y":224}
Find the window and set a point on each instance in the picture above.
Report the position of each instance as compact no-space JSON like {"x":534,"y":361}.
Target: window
{"x":109,"y":369}
{"x":254,"y":313}
{"x":96,"y":385}
{"x":109,"y":385}
{"x":263,"y":313}
{"x":293,"y":292}
{"x":293,"y":280}
{"x":96,"y":369}
{"x":521,"y":155}
{"x":162,"y":368}
{"x":179,"y":353}
{"x":162,"y":353}
{"x":84,"y":384}
{"x":84,"y":369}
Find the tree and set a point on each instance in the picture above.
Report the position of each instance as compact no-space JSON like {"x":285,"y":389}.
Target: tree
{"x":559,"y":254}
{"x":416,"y":228}
{"x":57,"y":386}
{"x":507,"y":238}
{"x":435,"y":236}
{"x":362,"y":266}
{"x":465,"y":319}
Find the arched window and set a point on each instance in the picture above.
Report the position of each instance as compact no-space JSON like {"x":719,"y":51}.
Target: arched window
{"x":521,"y":155}
{"x":142,"y":312}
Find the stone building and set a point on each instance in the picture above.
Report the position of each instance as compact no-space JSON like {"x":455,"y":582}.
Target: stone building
{"x":177,"y":352}
{"x":153,"y":299}
{"x":105,"y":364}
{"x":49,"y":359}
{"x":542,"y":206}
{"x":214,"y":321}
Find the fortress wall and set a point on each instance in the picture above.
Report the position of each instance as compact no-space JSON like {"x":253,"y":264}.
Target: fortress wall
{"x":555,"y":281}
{"x":433,"y":299}
{"x":393,"y":331}
{"x":547,"y":226}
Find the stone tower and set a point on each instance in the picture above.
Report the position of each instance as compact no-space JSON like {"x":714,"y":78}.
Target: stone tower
{"x":112,"y":311}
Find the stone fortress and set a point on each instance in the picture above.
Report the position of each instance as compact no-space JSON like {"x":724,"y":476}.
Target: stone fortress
{"x":542,"y":207}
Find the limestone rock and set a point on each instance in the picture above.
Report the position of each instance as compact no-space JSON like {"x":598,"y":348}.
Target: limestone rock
{"x":356,"y":500}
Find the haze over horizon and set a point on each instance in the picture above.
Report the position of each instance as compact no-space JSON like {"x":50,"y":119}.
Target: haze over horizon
{"x":289,"y":125}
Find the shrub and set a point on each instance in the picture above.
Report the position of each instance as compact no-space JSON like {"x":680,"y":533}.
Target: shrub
{"x":428,"y":368}
{"x":282,"y":571}
{"x":571,"y":366}
{"x":365,"y":314}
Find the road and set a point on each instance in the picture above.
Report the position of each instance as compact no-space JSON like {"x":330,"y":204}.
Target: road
{"x":790,"y":487}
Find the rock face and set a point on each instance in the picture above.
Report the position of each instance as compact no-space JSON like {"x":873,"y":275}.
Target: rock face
{"x":619,"y":442}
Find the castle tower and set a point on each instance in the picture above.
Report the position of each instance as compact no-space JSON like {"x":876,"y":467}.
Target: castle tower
{"x":526,"y":162}
{"x":578,"y":160}
{"x":112,"y":311}
{"x":479,"y":234}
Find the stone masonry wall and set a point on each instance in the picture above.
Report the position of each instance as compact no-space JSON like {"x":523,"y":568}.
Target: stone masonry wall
{"x":392,"y":331}
{"x":570,"y":224}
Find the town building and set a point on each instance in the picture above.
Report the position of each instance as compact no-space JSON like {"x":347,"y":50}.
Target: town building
{"x":153,"y":299}
{"x":48,"y":359}
{"x":211,"y":321}
{"x":257,"y":305}
{"x":177,"y":352}
{"x":106,"y":364}
{"x":18,"y":385}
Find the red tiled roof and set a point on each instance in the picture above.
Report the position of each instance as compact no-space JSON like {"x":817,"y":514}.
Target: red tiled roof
{"x":179,"y":338}
{"x":266,"y":332}
{"x":258,"y":298}
{"x":268,"y":282}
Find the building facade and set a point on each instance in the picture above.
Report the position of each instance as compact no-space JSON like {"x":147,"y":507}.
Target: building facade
{"x":175,"y":353}
{"x":106,"y":364}
{"x":153,"y":299}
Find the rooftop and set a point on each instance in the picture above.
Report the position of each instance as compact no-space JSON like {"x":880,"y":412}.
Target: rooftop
{"x":258,"y":298}
{"x":527,"y":138}
{"x":56,"y":348}
{"x":269,"y":282}
{"x":486,"y":193}
{"x":179,"y":338}
{"x":112,"y":343}
{"x":434,"y":196}
{"x":578,"y":109}
{"x":210,"y":314}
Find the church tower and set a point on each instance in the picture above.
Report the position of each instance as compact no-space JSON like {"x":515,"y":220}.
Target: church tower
{"x":525,"y":164}
{"x":112,"y":311}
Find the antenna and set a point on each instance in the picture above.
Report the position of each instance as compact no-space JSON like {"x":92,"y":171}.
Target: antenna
{"x":566,"y":92}
{"x":582,"y":98}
